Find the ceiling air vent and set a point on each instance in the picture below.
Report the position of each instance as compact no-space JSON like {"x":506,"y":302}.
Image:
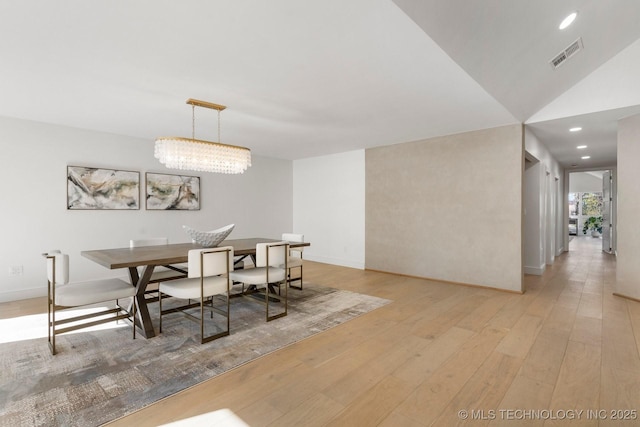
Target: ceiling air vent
{"x":562,"y":57}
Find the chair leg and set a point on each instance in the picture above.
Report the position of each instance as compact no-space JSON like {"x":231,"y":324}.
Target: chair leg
{"x":160,"y":308}
{"x":51,"y":322}
{"x":201,"y":319}
{"x":133,"y":318}
{"x":284,"y":313}
{"x":286,"y":295}
{"x":221,"y":334}
{"x":266,"y":299}
{"x":208,"y":301}
{"x":289,"y":279}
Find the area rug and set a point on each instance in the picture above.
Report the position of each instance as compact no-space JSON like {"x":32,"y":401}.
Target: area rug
{"x":98,"y":376}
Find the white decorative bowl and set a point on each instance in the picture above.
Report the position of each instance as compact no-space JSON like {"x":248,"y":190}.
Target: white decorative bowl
{"x":209,"y":239}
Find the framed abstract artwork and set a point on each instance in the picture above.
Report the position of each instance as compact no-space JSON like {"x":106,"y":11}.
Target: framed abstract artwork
{"x":172,"y":192}
{"x":97,"y":188}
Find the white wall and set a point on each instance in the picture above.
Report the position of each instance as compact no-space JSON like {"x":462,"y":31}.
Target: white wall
{"x":584,"y":182}
{"x":35,"y":218}
{"x":552,"y":202}
{"x":628,"y":232}
{"x":328,"y":207}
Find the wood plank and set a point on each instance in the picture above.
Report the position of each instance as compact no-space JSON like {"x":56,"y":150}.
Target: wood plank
{"x":259,"y":414}
{"x":619,"y":397}
{"x":522,"y":336}
{"x":619,"y":348}
{"x":396,"y":419}
{"x":578,"y":385}
{"x":370,"y":408}
{"x":545,"y":357}
{"x":590,"y":305}
{"x":523,"y":394}
{"x":429,"y":399}
{"x":634,"y":316}
{"x":423,"y":362}
{"x":359,"y":381}
{"x":483,"y":392}
{"x":587,"y":330}
{"x":511,"y":313}
{"x":318,"y":410}
{"x":480,"y":316}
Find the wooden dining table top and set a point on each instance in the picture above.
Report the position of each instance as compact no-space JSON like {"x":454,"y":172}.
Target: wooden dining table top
{"x":169,"y":254}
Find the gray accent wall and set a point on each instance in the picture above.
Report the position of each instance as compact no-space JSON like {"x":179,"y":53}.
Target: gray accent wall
{"x":448,"y":208}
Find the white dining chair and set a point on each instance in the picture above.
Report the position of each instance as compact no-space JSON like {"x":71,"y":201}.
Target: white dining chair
{"x":63,"y":295}
{"x":295,"y":257}
{"x":209,"y":271}
{"x":270,"y":271}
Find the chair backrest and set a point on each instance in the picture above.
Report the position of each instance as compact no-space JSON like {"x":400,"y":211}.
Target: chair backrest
{"x":277,"y":254}
{"x":293,"y":237}
{"x":214,"y":261}
{"x":154,"y":241}
{"x":60,"y":264}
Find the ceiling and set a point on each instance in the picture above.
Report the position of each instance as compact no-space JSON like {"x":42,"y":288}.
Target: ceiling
{"x":303,"y":79}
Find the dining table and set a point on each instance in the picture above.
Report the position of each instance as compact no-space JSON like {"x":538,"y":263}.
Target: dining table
{"x":149,"y":257}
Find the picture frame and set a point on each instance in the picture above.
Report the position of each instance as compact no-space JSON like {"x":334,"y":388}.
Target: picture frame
{"x":90,"y":188}
{"x":172,"y":192}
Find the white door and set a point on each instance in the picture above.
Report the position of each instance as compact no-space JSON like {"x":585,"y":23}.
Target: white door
{"x":606,"y":212}
{"x":551,"y":220}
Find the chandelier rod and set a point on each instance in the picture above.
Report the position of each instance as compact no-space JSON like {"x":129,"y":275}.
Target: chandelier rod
{"x":204,"y":104}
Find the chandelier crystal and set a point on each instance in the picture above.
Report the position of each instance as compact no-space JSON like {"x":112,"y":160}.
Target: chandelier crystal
{"x":197,"y":155}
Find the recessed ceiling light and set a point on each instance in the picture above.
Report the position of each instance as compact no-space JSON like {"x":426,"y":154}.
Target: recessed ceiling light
{"x":585,"y":157}
{"x":576,"y":129}
{"x":581,"y":147}
{"x":568,"y":20}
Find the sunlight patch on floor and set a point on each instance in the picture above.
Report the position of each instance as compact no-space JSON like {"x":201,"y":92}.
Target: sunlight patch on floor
{"x":35,"y":326}
{"x":222,"y":418}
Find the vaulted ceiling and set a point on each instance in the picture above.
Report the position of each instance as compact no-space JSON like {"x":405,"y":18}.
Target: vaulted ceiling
{"x":302,"y":79}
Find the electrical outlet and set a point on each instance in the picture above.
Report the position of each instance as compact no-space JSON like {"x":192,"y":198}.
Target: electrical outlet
{"x":15,"y":270}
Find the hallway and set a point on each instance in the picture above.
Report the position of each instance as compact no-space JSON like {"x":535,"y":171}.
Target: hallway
{"x":598,"y":333}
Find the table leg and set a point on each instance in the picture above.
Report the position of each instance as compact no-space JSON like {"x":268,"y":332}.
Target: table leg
{"x":143,"y":320}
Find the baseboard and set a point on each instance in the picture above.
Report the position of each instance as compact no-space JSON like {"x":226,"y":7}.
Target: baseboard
{"x":536,"y":271}
{"x":22,"y":294}
{"x":470,"y":285}
{"x":626,"y":297}
{"x":335,"y":261}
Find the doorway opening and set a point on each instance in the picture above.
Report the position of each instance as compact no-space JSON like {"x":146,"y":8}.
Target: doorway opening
{"x":591,"y":209}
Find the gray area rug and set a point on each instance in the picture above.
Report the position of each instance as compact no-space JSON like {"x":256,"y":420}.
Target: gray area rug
{"x":98,"y":376}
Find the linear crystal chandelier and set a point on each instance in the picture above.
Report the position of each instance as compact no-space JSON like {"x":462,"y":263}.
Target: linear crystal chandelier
{"x":197,"y":155}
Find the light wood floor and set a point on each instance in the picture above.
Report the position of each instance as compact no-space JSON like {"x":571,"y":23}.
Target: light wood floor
{"x":566,"y":344}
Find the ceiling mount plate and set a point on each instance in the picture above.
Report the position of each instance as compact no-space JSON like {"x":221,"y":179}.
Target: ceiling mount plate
{"x":205,"y":104}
